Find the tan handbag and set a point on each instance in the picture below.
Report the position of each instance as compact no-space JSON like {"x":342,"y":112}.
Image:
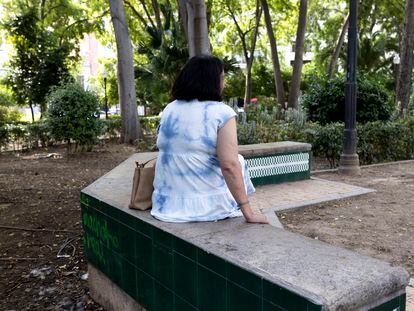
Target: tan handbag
{"x":142,"y":185}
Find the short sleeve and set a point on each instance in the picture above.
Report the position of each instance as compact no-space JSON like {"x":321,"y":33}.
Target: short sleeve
{"x":224,"y":114}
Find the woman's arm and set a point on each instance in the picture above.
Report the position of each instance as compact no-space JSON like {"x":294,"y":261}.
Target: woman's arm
{"x":227,"y":151}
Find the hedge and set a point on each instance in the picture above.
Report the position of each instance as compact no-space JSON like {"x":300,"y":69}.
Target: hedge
{"x":379,"y":141}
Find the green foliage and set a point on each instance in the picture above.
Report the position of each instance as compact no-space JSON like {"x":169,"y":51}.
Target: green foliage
{"x":325,"y":101}
{"x":72,"y":116}
{"x":40,"y":60}
{"x":9,"y":114}
{"x":6,"y":96}
{"x":38,"y":132}
{"x":234,"y":84}
{"x":150,"y":124}
{"x":263,"y":82}
{"x":4,"y":135}
{"x":378,"y":141}
{"x":112,"y":127}
{"x":163,"y":52}
{"x":386,"y":141}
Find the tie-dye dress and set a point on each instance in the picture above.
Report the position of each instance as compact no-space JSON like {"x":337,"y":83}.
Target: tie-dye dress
{"x":189,"y":184}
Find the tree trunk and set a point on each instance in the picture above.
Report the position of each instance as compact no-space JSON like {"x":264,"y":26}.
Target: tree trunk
{"x":193,"y":16}
{"x":297,"y":66}
{"x":250,"y":56}
{"x":197,"y":30}
{"x":157,"y":13}
{"x":406,"y":56}
{"x":131,"y":130}
{"x":280,"y":92}
{"x":182,"y":9}
{"x":32,"y":112}
{"x":338,"y":47}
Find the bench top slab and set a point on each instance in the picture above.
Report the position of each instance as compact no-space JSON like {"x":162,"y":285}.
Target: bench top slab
{"x":273,"y":148}
{"x":334,"y":277}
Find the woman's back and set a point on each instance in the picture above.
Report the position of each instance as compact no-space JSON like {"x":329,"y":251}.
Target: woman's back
{"x":189,"y":184}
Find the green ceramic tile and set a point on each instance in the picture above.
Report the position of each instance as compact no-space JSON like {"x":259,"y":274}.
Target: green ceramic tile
{"x":114,"y":267}
{"x":163,"y":238}
{"x":143,"y":227}
{"x":403,"y":301}
{"x":182,"y":305}
{"x":268,"y":306}
{"x":244,"y":279}
{"x":93,"y":249}
{"x":163,"y":264}
{"x":277,"y":179}
{"x":211,"y":262}
{"x":211,"y":290}
{"x":145,"y":290}
{"x":184,"y":248}
{"x":102,"y":227}
{"x":394,"y":304}
{"x":129,"y":282}
{"x":239,"y":299}
{"x":84,"y":199}
{"x":143,"y":253}
{"x":283,"y":298}
{"x":126,"y":219}
{"x":164,"y":298}
{"x":314,"y":307}
{"x":125,"y":238}
{"x":185,"y":278}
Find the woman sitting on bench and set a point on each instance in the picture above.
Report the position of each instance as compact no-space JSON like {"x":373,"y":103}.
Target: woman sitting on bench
{"x":199,"y":175}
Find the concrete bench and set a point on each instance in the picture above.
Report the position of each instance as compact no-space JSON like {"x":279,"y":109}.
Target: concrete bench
{"x":138,"y":262}
{"x":277,"y":162}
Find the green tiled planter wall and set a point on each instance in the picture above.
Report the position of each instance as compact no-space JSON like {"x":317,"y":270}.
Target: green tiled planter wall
{"x":163,"y":272}
{"x":278,"y":168}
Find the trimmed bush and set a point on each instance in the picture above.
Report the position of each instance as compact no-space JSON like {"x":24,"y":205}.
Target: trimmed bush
{"x":72,"y":116}
{"x":378,"y":141}
{"x":324,"y":102}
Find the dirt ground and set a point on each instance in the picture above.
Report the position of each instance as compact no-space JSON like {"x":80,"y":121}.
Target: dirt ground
{"x":43,"y":193}
{"x":41,"y":258}
{"x":378,"y":224}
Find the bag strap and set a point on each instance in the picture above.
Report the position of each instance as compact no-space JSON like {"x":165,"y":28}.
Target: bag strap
{"x":142,"y":165}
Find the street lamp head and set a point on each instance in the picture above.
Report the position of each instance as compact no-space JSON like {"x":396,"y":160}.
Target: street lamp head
{"x":104,"y":74}
{"x":396,"y":59}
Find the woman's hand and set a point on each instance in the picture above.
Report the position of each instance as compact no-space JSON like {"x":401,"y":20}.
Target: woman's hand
{"x":257,"y":219}
{"x":252,"y":217}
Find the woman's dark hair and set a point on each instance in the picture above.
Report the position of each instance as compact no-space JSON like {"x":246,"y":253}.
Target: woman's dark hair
{"x":199,"y":79}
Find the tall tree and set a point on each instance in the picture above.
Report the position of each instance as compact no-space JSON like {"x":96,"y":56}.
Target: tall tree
{"x":406,"y":65}
{"x":299,"y":49}
{"x":40,"y":61}
{"x":193,"y":15}
{"x":338,"y":47}
{"x":131,"y":131}
{"x":248,"y":49}
{"x":277,"y":73}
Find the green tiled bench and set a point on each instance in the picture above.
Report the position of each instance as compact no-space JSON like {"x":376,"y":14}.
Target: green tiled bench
{"x":138,"y":262}
{"x":277,"y":162}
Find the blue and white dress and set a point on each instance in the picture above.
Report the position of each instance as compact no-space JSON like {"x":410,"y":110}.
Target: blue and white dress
{"x":189,"y":184}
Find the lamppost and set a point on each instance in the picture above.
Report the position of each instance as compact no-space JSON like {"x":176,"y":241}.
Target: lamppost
{"x":105,"y":77}
{"x":349,"y":161}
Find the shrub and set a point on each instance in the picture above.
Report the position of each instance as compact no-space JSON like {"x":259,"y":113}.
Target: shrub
{"x":150,"y":124}
{"x":9,"y":114}
{"x":38,"y":132}
{"x":4,"y":135}
{"x":325,"y":101}
{"x":378,"y":141}
{"x":112,"y":127}
{"x":72,"y":116}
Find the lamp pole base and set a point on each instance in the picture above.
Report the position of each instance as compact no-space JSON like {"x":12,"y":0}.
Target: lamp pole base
{"x":349,"y":164}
